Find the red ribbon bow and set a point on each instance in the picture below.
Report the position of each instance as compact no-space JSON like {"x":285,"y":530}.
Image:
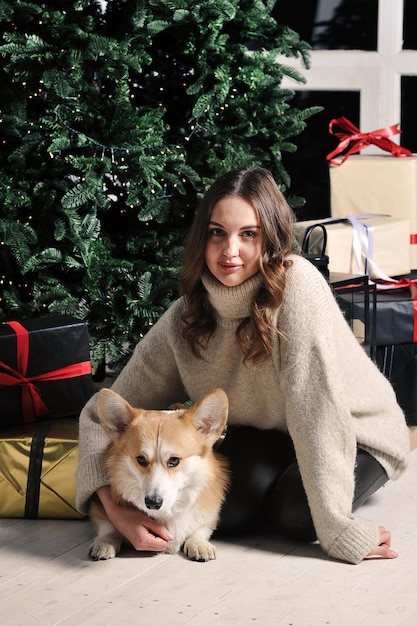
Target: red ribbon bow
{"x":352,"y":140}
{"x":32,"y":404}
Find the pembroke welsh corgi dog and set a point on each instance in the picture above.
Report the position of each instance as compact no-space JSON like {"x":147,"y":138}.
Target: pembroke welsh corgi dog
{"x":163,"y":463}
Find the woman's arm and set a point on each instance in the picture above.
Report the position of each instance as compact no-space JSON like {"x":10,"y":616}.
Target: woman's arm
{"x":335,"y":399}
{"x":150,"y":380}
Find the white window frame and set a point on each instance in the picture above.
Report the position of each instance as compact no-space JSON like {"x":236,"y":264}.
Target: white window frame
{"x":375,"y":75}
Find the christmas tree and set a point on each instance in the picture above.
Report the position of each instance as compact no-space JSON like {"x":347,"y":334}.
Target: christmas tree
{"x":115,"y":117}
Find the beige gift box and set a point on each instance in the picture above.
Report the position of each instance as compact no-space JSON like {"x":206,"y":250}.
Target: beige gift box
{"x":391,"y":252}
{"x":381,"y":184}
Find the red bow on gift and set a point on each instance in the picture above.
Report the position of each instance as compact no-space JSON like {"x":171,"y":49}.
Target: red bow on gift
{"x":32,"y":404}
{"x":353,"y":140}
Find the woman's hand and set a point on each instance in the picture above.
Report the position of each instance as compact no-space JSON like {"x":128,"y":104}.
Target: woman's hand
{"x":383,"y":549}
{"x":143,"y":533}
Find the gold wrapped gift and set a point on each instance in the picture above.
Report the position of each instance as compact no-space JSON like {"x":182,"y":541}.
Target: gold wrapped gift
{"x":391,"y":252}
{"x":380,"y":184}
{"x":37,"y":470}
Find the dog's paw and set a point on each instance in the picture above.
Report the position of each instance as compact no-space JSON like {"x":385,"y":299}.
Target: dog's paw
{"x":101,"y":550}
{"x":199,"y":550}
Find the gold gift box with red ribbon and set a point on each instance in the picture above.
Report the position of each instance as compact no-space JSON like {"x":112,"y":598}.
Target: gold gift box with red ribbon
{"x":383,"y":184}
{"x":37,"y":470}
{"x":45,"y":369}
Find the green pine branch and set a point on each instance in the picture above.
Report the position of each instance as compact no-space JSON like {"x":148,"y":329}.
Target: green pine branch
{"x":113,"y":124}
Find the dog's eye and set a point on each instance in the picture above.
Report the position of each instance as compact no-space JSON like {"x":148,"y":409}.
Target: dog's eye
{"x":142,"y":461}
{"x":173,"y":461}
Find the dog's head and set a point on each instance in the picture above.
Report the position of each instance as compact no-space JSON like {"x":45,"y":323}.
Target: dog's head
{"x":160,"y":460}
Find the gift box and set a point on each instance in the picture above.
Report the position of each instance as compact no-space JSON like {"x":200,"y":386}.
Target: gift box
{"x":37,"y":470}
{"x":386,"y":238}
{"x":45,"y":369}
{"x":380,"y":184}
{"x":393,"y":336}
{"x":393,"y":315}
{"x":399,"y":364}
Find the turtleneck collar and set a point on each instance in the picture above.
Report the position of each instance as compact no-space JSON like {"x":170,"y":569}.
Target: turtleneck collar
{"x":231,"y":302}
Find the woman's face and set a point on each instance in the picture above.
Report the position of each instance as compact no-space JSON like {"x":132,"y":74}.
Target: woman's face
{"x":234,"y":242}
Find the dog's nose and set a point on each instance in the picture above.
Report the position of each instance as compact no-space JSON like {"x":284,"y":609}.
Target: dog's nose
{"x":153,"y":502}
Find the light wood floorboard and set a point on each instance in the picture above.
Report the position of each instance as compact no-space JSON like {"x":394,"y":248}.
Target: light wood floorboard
{"x":46,"y":578}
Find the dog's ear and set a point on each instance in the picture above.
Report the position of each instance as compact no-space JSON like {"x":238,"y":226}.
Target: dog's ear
{"x":114,"y":412}
{"x":210,"y":414}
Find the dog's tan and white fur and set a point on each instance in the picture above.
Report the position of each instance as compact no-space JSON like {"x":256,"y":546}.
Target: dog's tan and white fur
{"x":163,"y":463}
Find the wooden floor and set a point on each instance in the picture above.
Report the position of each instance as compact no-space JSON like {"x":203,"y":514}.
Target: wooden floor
{"x":46,"y":578}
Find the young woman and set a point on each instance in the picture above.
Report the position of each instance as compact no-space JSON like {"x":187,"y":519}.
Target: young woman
{"x":314,"y":429}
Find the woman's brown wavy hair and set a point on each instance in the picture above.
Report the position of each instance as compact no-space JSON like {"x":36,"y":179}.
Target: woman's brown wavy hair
{"x":257,"y":186}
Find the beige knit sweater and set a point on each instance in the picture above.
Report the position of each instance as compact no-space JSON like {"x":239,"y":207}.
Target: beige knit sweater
{"x":320,"y":386}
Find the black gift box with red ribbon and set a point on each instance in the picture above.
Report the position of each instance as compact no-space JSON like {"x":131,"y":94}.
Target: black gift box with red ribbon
{"x":393,"y":337}
{"x":45,"y":369}
{"x":393,"y":318}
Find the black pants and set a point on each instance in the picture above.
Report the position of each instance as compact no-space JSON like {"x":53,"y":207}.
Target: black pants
{"x":266,"y":487}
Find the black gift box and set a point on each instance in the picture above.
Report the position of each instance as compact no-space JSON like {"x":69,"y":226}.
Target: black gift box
{"x":56,"y":348}
{"x":391,"y":316}
{"x":399,"y":364}
{"x":393,"y":325}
